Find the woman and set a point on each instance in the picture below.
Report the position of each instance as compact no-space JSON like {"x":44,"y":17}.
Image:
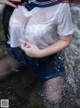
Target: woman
{"x":38,"y":34}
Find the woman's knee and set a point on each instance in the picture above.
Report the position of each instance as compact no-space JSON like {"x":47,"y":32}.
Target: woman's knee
{"x":7,"y":64}
{"x":53,"y":90}
{"x":54,"y":98}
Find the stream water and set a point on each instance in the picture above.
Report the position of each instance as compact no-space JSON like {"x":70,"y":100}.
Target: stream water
{"x":15,"y":88}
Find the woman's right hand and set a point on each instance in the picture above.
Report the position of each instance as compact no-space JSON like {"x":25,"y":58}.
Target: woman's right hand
{"x":9,"y":2}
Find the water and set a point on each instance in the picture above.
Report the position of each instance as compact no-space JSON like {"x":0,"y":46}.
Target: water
{"x":17,"y":87}
{"x":73,"y":61}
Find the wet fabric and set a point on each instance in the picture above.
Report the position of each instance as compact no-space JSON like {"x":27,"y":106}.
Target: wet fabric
{"x":45,"y":68}
{"x":40,"y":26}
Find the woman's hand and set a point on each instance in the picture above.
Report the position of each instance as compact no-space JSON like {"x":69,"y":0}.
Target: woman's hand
{"x":9,"y":2}
{"x":31,"y":49}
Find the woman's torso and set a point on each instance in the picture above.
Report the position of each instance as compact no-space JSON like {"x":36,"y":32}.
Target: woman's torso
{"x":38,"y":26}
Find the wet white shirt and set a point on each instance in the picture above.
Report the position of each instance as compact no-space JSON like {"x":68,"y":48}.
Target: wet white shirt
{"x":41,"y":26}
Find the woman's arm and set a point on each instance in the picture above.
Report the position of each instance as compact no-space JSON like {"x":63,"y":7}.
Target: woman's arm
{"x":57,"y":46}
{"x":9,"y":2}
{"x":33,"y":51}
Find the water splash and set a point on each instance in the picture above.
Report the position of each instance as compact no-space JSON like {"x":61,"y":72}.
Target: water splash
{"x":73,"y":58}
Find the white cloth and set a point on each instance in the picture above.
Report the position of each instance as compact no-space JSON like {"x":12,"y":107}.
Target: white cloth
{"x":41,"y":26}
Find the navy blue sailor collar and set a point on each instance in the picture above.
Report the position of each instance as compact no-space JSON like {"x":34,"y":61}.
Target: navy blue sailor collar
{"x":41,"y":4}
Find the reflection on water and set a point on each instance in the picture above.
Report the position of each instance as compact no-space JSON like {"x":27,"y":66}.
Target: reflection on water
{"x":18,"y":86}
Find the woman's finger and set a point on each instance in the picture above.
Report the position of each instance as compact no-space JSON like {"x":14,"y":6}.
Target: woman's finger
{"x":25,"y":46}
{"x":11,"y":4}
{"x":29,"y":43}
{"x":22,"y":47}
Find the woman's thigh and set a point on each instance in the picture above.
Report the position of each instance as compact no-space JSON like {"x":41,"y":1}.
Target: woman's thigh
{"x":53,"y":89}
{"x":7,"y":65}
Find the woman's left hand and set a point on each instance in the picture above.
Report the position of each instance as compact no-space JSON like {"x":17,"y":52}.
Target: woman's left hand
{"x":31,"y":49}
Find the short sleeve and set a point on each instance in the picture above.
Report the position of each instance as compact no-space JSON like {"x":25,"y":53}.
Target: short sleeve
{"x":64,"y":25}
